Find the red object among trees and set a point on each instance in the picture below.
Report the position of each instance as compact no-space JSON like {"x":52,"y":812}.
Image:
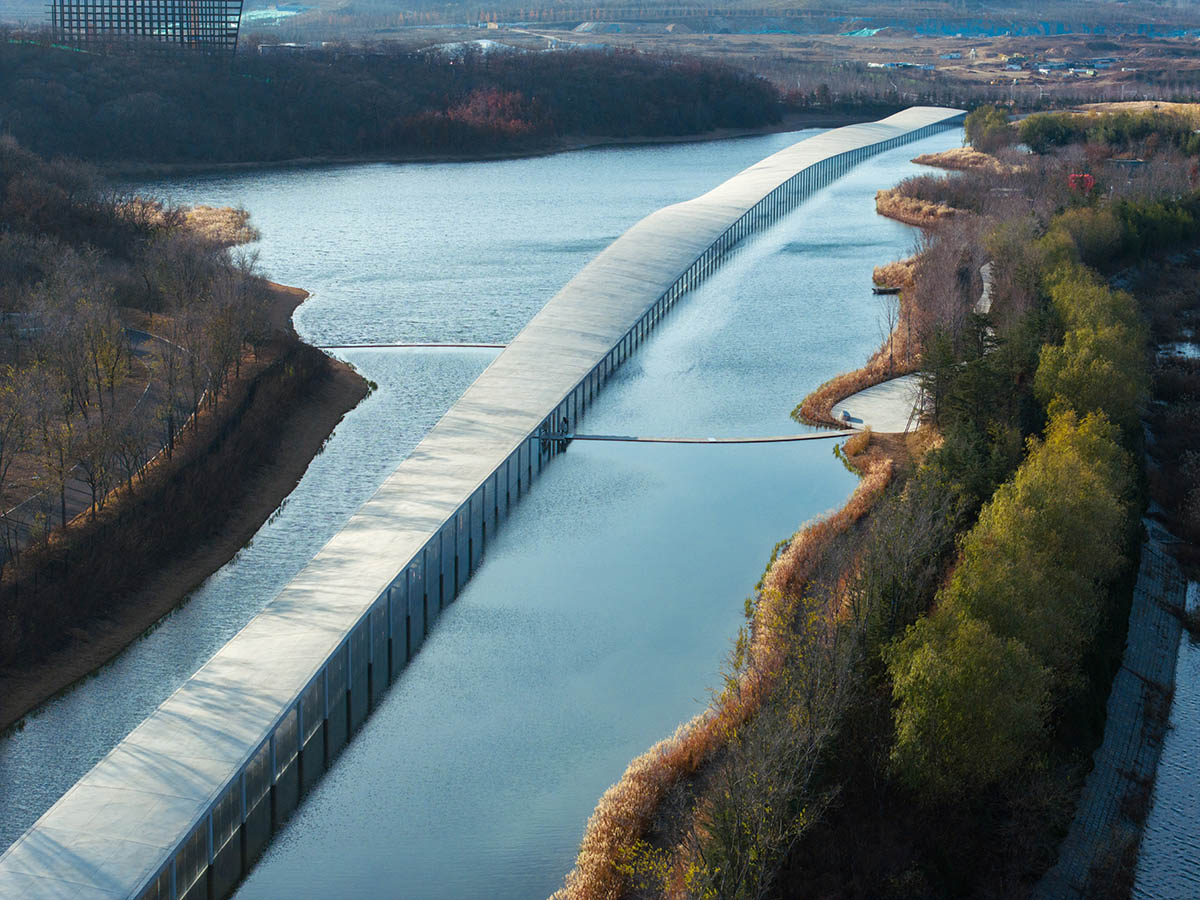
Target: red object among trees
{"x":1081,"y":181}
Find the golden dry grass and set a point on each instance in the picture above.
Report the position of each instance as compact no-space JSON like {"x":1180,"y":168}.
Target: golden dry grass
{"x":856,"y":444}
{"x":911,"y":210}
{"x":795,"y":565}
{"x":224,"y":226}
{"x":967,"y":159}
{"x":898,"y":274}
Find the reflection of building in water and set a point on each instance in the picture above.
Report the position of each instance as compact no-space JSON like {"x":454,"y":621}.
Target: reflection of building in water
{"x":210,"y":26}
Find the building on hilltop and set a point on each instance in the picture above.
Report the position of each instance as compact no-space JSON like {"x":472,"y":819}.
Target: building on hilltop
{"x":208,"y":26}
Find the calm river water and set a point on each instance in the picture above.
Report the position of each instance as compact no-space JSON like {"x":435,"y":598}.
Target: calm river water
{"x":606,"y":605}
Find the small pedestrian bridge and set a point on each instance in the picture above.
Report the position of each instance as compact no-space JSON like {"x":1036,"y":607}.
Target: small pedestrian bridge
{"x":564,"y":439}
{"x":185,"y":804}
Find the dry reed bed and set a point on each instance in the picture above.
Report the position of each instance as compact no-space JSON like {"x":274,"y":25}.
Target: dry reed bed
{"x":223,"y":226}
{"x":912,"y":210}
{"x":967,"y":159}
{"x":901,"y":273}
{"x":626,"y":811}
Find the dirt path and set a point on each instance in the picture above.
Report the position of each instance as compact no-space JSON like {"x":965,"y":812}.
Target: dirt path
{"x":303,"y":435}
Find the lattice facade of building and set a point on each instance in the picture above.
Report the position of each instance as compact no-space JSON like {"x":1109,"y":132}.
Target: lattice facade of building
{"x":207,"y":25}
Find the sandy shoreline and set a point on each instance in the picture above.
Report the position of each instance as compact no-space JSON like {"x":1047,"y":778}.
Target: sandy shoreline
{"x":303,"y":436}
{"x":790,"y":122}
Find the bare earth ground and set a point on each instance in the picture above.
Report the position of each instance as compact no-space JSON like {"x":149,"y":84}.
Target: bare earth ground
{"x":302,"y":439}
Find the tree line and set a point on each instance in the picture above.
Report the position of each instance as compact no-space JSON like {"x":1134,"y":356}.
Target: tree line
{"x":349,"y":102}
{"x":997,"y":693}
{"x":78,"y":265}
{"x":1136,"y":132}
{"x":951,"y":652}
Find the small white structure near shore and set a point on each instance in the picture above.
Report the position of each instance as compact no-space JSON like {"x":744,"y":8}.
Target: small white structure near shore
{"x":891,"y":407}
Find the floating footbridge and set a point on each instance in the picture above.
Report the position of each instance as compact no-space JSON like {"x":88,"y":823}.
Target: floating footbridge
{"x":183,"y":806}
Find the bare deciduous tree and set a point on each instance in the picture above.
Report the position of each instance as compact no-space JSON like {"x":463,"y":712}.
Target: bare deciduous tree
{"x":95,"y":460}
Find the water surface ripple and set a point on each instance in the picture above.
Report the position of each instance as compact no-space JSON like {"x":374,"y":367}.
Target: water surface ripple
{"x":605,"y":606}
{"x":392,"y":254}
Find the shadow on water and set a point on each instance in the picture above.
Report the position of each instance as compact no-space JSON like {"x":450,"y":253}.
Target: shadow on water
{"x":391,"y":254}
{"x":606,"y":604}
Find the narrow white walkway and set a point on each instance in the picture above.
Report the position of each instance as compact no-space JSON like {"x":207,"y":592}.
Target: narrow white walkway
{"x":889,"y":408}
{"x":632,"y":439}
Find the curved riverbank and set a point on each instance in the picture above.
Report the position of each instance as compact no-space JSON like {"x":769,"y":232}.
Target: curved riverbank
{"x":795,"y":121}
{"x":646,"y":802}
{"x":614,"y":845}
{"x":303,"y":430}
{"x":896,"y":356}
{"x":537,"y":724}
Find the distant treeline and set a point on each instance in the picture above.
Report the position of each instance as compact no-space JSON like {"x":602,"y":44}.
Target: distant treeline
{"x":1141,"y":132}
{"x":346,"y":103}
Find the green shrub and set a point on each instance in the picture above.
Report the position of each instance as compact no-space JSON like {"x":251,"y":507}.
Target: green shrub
{"x":1082,"y":300}
{"x":1095,"y":231}
{"x":1095,"y":370}
{"x":975,"y":681}
{"x":971,"y":706}
{"x":1124,"y":131}
{"x":1036,"y":563}
{"x":988,"y":129}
